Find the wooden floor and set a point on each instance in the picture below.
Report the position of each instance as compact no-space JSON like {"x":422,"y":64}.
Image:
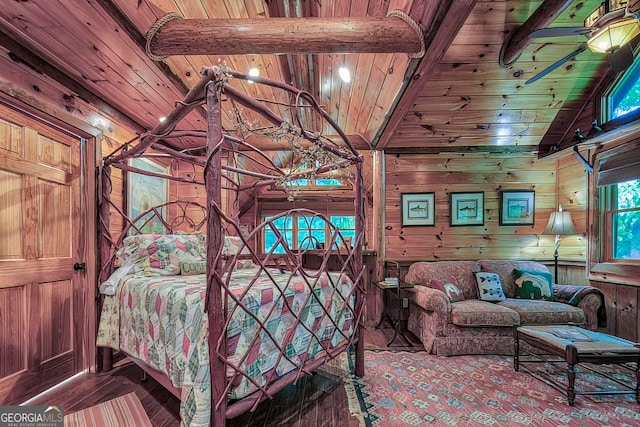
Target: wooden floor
{"x":316,"y":400}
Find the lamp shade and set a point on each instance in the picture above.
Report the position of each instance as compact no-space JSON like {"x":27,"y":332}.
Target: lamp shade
{"x":614,"y":36}
{"x":560,"y":224}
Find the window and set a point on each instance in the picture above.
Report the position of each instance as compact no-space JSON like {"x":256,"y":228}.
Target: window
{"x":308,"y":232}
{"x":624,"y":97}
{"x":621,"y":220}
{"x":311,"y":184}
{"x":614,"y":251}
{"x":284,"y":225}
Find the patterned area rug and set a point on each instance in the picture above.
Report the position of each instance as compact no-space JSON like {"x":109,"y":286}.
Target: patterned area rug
{"x":403,"y":388}
{"x":124,"y":411}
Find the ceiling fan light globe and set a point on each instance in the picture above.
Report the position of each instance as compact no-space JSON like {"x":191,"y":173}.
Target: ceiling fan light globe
{"x":613,"y":36}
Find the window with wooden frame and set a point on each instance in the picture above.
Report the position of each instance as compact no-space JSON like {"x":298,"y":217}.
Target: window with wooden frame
{"x":305,"y":231}
{"x":323,"y":182}
{"x":615,"y":245}
{"x":309,"y":232}
{"x":623,"y":98}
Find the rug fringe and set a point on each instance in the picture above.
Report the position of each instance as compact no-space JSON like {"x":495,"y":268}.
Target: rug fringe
{"x":348,"y":379}
{"x":355,"y":409}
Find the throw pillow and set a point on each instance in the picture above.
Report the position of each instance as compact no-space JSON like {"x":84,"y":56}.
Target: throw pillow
{"x":533,"y":285}
{"x":193,"y":267}
{"x":489,"y":286}
{"x":160,"y":254}
{"x":449,"y":286}
{"x":233,"y":245}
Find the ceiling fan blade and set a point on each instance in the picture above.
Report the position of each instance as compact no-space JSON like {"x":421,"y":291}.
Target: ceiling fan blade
{"x":621,"y":59}
{"x":559,"y":32}
{"x":557,"y":64}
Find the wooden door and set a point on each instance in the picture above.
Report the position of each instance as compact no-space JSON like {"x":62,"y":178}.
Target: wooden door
{"x":43,"y":300}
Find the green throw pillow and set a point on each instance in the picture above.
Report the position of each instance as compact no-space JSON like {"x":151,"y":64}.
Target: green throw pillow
{"x":533,"y":285}
{"x":193,"y":267}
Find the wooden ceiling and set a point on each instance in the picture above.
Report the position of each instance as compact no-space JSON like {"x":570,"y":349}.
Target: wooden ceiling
{"x":456,"y":97}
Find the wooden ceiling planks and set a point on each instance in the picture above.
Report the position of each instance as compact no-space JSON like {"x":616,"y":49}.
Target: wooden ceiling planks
{"x":444,"y":22}
{"x":458,"y":89}
{"x":468,"y":85}
{"x":297,"y":70}
{"x":78,"y":46}
{"x":51,"y":98}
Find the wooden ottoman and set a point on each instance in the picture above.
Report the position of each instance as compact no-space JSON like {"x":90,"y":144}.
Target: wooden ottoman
{"x":576,"y":345}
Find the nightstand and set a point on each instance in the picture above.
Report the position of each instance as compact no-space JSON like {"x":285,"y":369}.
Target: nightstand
{"x":395,"y":309}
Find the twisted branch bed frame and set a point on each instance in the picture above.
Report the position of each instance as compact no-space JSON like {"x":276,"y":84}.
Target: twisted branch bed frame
{"x":212,"y":90}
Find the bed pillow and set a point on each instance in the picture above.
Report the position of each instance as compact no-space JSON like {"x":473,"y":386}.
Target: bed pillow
{"x":489,"y":286}
{"x":533,"y":285}
{"x":233,"y":245}
{"x":161,"y":254}
{"x":193,"y":267}
{"x":449,"y":286}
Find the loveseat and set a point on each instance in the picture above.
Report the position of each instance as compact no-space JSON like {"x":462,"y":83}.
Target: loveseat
{"x":474,"y":326}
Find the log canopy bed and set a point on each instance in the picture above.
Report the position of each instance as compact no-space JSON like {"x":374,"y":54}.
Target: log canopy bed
{"x":200,"y":305}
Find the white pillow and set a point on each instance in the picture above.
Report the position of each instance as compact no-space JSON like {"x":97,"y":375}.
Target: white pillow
{"x":109,"y":286}
{"x":489,"y":286}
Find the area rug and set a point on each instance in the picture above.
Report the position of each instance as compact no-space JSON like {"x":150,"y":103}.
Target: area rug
{"x":124,"y":411}
{"x":403,"y":388}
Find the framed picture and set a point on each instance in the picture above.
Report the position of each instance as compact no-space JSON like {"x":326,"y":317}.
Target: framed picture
{"x":417,"y":209}
{"x":145,"y":192}
{"x":517,"y":207}
{"x":466,"y":208}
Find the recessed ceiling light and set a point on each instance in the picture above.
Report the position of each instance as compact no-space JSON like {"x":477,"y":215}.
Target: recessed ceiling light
{"x":254,"y":72}
{"x":345,"y":75}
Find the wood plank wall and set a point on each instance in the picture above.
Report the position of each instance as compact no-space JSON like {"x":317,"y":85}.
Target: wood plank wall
{"x":573,"y":196}
{"x":622,"y":309}
{"x":452,"y":172}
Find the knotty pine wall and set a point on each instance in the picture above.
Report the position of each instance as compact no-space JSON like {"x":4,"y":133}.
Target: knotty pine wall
{"x":453,"y":172}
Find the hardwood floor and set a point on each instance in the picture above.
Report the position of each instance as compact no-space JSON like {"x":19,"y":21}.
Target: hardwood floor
{"x":316,"y":400}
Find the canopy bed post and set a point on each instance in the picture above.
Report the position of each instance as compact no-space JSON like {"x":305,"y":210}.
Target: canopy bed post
{"x":214,"y":306}
{"x":105,"y":249}
{"x":359,"y":208}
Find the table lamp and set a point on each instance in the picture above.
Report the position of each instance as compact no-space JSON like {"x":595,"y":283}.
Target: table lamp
{"x":560,"y":224}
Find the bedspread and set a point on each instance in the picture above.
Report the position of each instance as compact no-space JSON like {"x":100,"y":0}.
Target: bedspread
{"x":161,"y":321}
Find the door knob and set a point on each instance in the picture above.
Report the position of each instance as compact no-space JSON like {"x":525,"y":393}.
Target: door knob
{"x":79,"y":266}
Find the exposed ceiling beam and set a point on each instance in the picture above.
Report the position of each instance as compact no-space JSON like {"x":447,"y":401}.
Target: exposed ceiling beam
{"x":582,"y":111}
{"x":283,"y":35}
{"x":266,"y":143}
{"x":449,"y":18}
{"x":22,"y":54}
{"x":544,"y":15}
{"x":493,"y":149}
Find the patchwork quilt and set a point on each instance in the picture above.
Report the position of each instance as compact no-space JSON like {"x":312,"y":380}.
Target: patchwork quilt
{"x":161,"y":320}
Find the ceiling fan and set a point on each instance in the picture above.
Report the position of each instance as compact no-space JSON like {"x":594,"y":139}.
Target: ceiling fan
{"x":609,"y":29}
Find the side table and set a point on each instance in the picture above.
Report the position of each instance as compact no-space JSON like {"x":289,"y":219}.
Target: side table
{"x":398,"y":295}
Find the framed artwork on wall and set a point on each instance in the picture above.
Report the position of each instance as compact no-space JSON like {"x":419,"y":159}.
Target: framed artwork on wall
{"x":417,"y":209}
{"x":466,"y":208}
{"x":517,"y":207}
{"x":145,"y":192}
